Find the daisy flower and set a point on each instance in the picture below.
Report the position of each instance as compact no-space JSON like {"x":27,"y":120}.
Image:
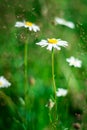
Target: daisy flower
{"x":64,"y":22}
{"x":74,"y":62}
{"x":4,"y":83}
{"x":61,"y":92}
{"x":50,"y":104}
{"x":31,"y":26}
{"x":52,"y":43}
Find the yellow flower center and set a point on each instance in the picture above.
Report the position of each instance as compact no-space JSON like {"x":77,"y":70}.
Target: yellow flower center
{"x":53,"y":41}
{"x":28,"y":23}
{"x":1,"y":83}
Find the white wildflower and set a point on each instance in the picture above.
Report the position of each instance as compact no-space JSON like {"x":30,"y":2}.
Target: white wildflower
{"x":64,"y":22}
{"x":31,"y":26}
{"x":61,"y":92}
{"x":53,"y":43}
{"x":4,"y":83}
{"x":74,"y":62}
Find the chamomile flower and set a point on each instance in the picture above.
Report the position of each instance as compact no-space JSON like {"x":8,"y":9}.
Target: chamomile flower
{"x":4,"y":83}
{"x":64,"y":22}
{"x":61,"y":92}
{"x":31,"y":26}
{"x":74,"y":62}
{"x":50,"y":104}
{"x":53,"y":43}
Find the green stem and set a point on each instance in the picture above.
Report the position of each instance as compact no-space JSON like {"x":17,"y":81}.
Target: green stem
{"x":26,"y":67}
{"x":54,"y":85}
{"x":50,"y":116}
{"x":53,"y":76}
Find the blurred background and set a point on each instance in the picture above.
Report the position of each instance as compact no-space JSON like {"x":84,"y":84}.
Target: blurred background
{"x":72,"y":109}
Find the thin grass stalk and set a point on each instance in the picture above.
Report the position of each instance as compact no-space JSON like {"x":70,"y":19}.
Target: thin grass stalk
{"x":26,"y":79}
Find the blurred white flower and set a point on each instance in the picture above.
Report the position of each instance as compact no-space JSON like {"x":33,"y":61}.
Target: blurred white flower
{"x":50,"y":104}
{"x":30,"y":25}
{"x":53,"y":43}
{"x":74,"y":62}
{"x":61,"y":92}
{"x":4,"y":83}
{"x":64,"y":22}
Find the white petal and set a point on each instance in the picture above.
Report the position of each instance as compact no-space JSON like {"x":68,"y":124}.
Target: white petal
{"x":59,"y":20}
{"x":49,"y":47}
{"x":62,"y":43}
{"x":70,"y":25}
{"x":19,"y":24}
{"x":35,"y":28}
{"x":30,"y":28}
{"x":57,"y":47}
{"x":42,"y":43}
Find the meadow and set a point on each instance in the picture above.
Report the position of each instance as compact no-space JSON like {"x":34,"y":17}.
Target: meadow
{"x":43,"y":65}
